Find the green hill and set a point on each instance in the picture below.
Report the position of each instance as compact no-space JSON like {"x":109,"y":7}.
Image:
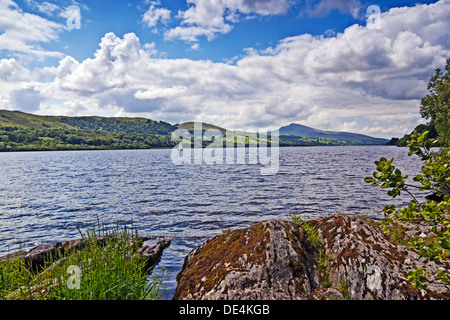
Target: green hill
{"x":205,"y":126}
{"x":119,"y":125}
{"x":345,"y":137}
{"x":91,"y":123}
{"x":29,"y":121}
{"x":21,"y":131}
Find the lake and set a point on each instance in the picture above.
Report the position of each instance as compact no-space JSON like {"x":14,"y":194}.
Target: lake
{"x":46,"y":196}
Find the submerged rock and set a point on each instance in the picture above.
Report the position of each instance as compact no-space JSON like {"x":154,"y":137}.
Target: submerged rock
{"x":153,"y":254}
{"x":275,"y":259}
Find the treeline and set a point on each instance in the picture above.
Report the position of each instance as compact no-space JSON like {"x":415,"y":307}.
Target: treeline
{"x":119,"y":125}
{"x":421,"y":128}
{"x":285,"y":140}
{"x":20,"y":139}
{"x":288,"y":140}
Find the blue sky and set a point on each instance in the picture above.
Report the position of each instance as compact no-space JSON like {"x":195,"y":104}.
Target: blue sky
{"x":253,"y":30}
{"x":242,"y":64}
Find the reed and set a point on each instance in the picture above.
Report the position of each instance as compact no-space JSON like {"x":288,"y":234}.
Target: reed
{"x":107,"y":267}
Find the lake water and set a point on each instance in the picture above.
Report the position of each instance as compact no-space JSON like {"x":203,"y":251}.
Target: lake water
{"x":45,"y":196}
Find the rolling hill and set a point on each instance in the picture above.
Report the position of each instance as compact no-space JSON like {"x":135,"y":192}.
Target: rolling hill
{"x":205,"y":126}
{"x":91,"y":123}
{"x":299,"y":130}
{"x":21,"y":131}
{"x":29,"y":121}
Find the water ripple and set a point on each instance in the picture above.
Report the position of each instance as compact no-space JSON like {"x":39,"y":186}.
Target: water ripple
{"x":46,"y":196}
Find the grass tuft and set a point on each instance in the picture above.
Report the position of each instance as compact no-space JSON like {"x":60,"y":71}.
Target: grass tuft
{"x":107,"y":267}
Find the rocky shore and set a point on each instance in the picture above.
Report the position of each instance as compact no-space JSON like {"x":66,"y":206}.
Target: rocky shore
{"x":276,"y":259}
{"x":333,"y":258}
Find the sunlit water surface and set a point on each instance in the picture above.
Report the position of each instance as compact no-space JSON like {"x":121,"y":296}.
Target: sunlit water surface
{"x":46,"y":196}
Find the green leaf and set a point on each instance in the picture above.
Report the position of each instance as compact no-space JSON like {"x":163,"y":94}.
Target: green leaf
{"x":369,"y":179}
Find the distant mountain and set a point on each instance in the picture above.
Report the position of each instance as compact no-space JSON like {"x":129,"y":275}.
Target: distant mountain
{"x":351,"y":138}
{"x":20,"y":131}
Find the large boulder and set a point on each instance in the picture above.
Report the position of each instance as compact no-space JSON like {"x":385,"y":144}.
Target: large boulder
{"x":269,"y":260}
{"x":275,"y":259}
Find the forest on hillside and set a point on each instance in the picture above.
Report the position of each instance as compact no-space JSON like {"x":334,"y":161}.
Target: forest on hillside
{"x":19,"y":139}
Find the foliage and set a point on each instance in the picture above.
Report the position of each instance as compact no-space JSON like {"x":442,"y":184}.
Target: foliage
{"x":111,"y":269}
{"x":15,"y":138}
{"x":417,"y":277}
{"x":20,"y":139}
{"x":119,"y":125}
{"x":21,"y":131}
{"x":421,"y":128}
{"x":434,"y":177}
{"x":313,"y":236}
{"x":291,"y":141}
{"x":436,"y":105}
{"x":343,"y":286}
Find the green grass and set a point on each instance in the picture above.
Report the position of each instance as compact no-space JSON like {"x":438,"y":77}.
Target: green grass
{"x":313,"y":236}
{"x":29,"y":121}
{"x":108,"y":267}
{"x":343,"y":286}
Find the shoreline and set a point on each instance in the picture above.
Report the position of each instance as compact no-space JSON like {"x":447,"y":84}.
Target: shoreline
{"x":340,"y":257}
{"x":169,"y":148}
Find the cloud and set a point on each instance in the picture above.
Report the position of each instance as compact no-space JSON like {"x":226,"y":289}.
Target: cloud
{"x":324,"y":7}
{"x":155,"y":15}
{"x":22,"y":32}
{"x":384,"y":125}
{"x":12,"y":71}
{"x":362,"y":80}
{"x":195,"y":46}
{"x":44,"y":7}
{"x":205,"y":18}
{"x":193,"y":33}
{"x":28,"y":99}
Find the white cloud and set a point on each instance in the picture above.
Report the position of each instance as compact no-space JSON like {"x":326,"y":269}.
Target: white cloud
{"x":154,"y":93}
{"x":22,"y":32}
{"x":11,"y":71}
{"x":155,"y":15}
{"x":195,"y":46}
{"x":205,"y":18}
{"x":323,"y":7}
{"x":28,"y":99}
{"x":193,"y":33}
{"x":44,"y":7}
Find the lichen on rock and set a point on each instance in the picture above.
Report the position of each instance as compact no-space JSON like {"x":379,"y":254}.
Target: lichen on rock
{"x":275,"y":260}
{"x":265,"y":261}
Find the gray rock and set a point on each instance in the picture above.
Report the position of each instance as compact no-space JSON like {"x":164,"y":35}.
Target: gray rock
{"x":275,"y":260}
{"x":264,"y":261}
